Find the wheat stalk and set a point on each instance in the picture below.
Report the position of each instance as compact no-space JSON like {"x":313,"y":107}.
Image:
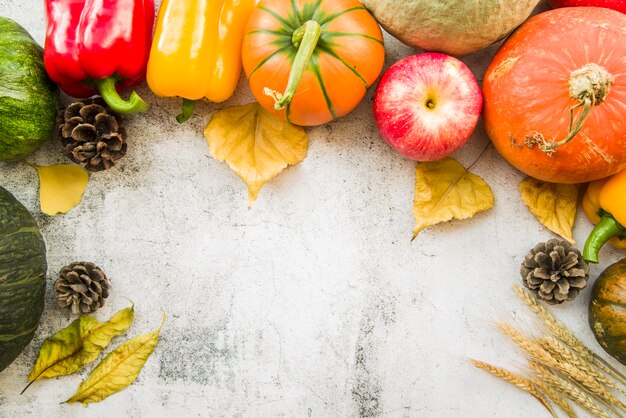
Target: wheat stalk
{"x":606,"y":367}
{"x":555,"y":397}
{"x":568,"y":389}
{"x":536,"y":352}
{"x":519,"y":381}
{"x":558,"y":349}
{"x":562,"y":333}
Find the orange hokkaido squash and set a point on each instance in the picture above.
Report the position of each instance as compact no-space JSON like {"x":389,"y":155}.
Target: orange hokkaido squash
{"x":311,"y":61}
{"x":555,"y":95}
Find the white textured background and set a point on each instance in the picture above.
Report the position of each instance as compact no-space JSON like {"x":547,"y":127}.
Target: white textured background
{"x":314,"y":303}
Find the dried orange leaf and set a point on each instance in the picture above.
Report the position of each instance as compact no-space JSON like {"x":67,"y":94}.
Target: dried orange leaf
{"x":554,"y":205}
{"x":445,"y":190}
{"x":255,"y":145}
{"x":61,"y":187}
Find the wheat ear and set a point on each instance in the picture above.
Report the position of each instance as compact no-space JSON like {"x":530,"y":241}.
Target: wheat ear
{"x":568,"y":389}
{"x":555,"y":397}
{"x":536,"y":352}
{"x":557,"y":348}
{"x":565,"y":335}
{"x":519,"y":381}
{"x":554,"y":325}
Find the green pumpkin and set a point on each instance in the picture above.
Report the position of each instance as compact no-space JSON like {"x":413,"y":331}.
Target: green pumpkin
{"x":28,"y":99}
{"x":455,"y":27}
{"x":607,"y":310}
{"x":22,"y":277}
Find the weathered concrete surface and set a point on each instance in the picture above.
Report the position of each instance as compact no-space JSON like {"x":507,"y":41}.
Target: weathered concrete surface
{"x":314,"y":302}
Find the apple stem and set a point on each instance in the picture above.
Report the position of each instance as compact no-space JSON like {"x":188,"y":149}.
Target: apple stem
{"x":304,"y":38}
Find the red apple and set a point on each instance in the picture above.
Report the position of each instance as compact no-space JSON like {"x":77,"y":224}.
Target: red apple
{"x":619,"y":5}
{"x":427,"y":105}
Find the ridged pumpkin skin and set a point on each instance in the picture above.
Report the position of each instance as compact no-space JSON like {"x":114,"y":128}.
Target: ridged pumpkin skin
{"x":348,"y":57}
{"x":455,"y":27}
{"x":28,"y":98}
{"x":22,"y":277}
{"x":607,"y":310}
{"x":526,"y":91}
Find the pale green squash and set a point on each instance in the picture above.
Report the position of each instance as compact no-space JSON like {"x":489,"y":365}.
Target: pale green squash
{"x":455,"y":27}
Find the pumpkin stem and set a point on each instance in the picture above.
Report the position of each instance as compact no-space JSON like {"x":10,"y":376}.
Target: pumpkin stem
{"x":590,"y":85}
{"x":606,"y":229}
{"x":304,"y":38}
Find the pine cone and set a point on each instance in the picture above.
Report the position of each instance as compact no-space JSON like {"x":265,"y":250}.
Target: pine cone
{"x":91,"y":135}
{"x":81,"y":287}
{"x":555,"y":271}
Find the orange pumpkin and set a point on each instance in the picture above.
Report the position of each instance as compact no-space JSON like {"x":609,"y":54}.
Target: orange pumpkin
{"x":555,"y":95}
{"x":311,"y":61}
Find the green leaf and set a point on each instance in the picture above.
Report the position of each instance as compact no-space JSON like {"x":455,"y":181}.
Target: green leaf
{"x":78,"y":344}
{"x":445,"y":190}
{"x":118,"y":369}
{"x":554,"y":205}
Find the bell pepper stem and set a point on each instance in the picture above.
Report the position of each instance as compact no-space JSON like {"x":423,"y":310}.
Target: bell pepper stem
{"x":304,"y":38}
{"x":106,"y":87}
{"x":606,"y":229}
{"x":188,"y":106}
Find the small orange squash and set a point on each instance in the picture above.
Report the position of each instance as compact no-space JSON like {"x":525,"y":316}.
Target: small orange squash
{"x":607,"y":310}
{"x":311,"y":61}
{"x":555,"y":95}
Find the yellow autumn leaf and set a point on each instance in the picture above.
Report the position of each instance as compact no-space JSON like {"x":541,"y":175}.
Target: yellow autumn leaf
{"x":78,"y":344}
{"x":445,"y":190}
{"x":255,"y":145}
{"x":118,"y":369}
{"x":61,"y":187}
{"x":554,"y":205}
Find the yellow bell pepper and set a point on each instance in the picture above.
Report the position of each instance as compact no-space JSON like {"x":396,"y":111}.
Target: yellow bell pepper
{"x":604,"y":203}
{"x":196,"y":52}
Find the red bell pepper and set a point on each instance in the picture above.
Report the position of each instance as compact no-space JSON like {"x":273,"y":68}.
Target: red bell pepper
{"x":99,"y":46}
